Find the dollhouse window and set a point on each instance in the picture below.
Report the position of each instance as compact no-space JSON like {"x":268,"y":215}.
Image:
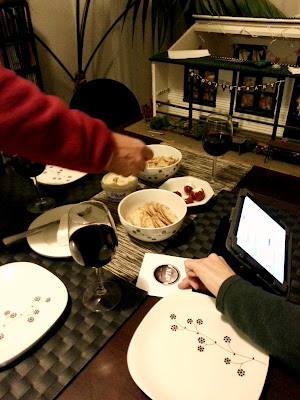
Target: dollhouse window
{"x":293,"y":119}
{"x":256,"y":95}
{"x":249,"y":52}
{"x":201,"y":86}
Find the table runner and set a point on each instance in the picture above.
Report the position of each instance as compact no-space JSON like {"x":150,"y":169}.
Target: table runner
{"x":129,"y":257}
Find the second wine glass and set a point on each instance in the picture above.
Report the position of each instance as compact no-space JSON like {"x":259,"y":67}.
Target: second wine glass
{"x":93,"y":243}
{"x":31,"y":169}
{"x":217,"y":137}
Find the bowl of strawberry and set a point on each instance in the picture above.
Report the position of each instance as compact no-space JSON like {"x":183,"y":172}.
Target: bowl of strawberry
{"x":194,"y":191}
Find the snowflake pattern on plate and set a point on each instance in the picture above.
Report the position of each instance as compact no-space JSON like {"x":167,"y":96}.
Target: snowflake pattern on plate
{"x":30,"y":313}
{"x":204,"y":341}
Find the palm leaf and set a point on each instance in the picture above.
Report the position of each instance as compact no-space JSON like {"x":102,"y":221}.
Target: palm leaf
{"x":144,"y":15}
{"x":135,"y":13}
{"x":211,"y":7}
{"x":263,"y":8}
{"x":242,"y":8}
{"x":165,"y":12}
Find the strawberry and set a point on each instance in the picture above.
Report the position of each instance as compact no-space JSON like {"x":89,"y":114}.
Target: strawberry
{"x":189,"y":200}
{"x":198,"y":196}
{"x":188,"y":189}
{"x":176,"y":192}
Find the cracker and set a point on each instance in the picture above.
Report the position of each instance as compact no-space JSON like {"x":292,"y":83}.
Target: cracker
{"x":152,"y":215}
{"x":161,"y":161}
{"x":168,"y":213}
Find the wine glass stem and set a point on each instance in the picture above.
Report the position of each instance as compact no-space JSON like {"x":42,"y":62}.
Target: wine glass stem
{"x":214,"y":168}
{"x":100,"y":289}
{"x":36,"y":184}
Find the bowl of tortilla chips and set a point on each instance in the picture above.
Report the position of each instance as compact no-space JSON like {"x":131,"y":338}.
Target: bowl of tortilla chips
{"x":152,"y":215}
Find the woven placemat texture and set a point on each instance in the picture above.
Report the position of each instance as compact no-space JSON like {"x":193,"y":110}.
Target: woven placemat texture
{"x":197,"y":238}
{"x":44,"y":371}
{"x":47,"y":368}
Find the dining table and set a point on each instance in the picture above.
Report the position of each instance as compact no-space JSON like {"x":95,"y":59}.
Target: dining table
{"x":84,"y":355}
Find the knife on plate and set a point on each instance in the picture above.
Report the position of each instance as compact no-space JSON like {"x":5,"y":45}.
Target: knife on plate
{"x":14,"y":238}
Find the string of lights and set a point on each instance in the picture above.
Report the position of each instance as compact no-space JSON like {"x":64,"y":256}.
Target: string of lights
{"x":225,"y":86}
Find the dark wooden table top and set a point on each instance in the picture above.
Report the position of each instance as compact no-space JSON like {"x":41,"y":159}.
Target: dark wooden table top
{"x":107,"y":375}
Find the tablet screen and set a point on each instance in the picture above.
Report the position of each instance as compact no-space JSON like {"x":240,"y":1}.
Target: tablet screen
{"x":262,"y":238}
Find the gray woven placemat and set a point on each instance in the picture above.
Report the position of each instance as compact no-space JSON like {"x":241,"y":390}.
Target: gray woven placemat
{"x":46,"y":369}
{"x":196,"y":240}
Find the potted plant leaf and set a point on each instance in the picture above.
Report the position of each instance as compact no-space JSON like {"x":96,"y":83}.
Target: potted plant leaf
{"x":164,"y":16}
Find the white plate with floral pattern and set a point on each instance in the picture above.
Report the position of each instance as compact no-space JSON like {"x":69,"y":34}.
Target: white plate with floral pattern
{"x":31,"y":301}
{"x":185,"y":349}
{"x":53,"y":175}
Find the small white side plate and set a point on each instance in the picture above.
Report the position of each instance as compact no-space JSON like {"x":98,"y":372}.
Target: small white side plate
{"x":45,"y":242}
{"x":178,"y":184}
{"x":31,"y":301}
{"x":53,"y":175}
{"x":185,"y":349}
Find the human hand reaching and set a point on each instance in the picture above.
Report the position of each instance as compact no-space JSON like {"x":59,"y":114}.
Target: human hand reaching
{"x":129,"y":157}
{"x":206,"y":274}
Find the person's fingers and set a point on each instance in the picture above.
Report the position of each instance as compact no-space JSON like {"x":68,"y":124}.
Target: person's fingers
{"x":212,"y":271}
{"x":184,"y":284}
{"x":130,"y":155}
{"x":147,"y":153}
{"x":137,"y":168}
{"x":192,"y":281}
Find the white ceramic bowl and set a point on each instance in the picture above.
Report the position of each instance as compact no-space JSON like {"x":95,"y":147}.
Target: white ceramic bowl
{"x":138,"y":199}
{"x":157,"y":175}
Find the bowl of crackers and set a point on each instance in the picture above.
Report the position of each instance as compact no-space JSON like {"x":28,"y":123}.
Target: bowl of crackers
{"x":163,"y":165}
{"x":152,"y":215}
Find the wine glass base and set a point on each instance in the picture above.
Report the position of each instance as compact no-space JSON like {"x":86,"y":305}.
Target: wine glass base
{"x":41,"y":205}
{"x":102,"y":303}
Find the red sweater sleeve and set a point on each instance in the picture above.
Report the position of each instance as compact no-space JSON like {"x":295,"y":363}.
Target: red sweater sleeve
{"x":43,"y":129}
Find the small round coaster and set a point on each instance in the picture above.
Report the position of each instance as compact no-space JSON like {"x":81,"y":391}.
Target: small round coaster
{"x":166,"y":274}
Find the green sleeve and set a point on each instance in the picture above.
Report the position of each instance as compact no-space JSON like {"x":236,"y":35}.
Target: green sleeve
{"x":267,"y":319}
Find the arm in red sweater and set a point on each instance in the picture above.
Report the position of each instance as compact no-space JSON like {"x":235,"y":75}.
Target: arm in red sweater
{"x":42,"y":128}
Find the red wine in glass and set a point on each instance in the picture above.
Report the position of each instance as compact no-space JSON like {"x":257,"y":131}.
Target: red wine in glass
{"x":217,"y":143}
{"x":93,"y":243}
{"x":217,"y":137}
{"x":31,"y":169}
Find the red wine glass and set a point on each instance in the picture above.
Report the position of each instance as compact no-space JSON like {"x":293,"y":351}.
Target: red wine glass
{"x":217,"y":137}
{"x":31,"y":169}
{"x":93,"y":243}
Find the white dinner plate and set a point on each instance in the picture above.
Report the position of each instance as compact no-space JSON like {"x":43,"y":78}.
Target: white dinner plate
{"x":177,"y":184}
{"x":31,"y":301}
{"x":45,"y":242}
{"x":53,"y":175}
{"x":185,"y":349}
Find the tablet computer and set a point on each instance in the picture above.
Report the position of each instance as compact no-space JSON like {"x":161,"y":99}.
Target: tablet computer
{"x":260,"y":243}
